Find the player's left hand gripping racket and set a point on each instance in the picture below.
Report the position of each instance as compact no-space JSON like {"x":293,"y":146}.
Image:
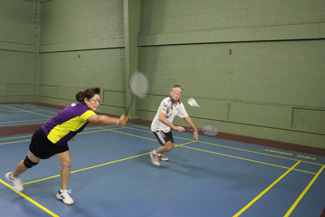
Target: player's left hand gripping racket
{"x":139,"y":85}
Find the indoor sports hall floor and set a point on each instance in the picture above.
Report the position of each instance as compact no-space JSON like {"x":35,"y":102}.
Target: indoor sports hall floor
{"x":112,"y":175}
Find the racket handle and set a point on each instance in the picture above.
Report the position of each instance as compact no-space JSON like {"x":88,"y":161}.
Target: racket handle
{"x":129,"y":107}
{"x":193,"y":129}
{"x":125,"y":118}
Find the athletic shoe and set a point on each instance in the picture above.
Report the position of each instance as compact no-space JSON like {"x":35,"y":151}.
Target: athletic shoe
{"x":16,"y":183}
{"x":154,"y":159}
{"x":162,"y":157}
{"x":65,"y":197}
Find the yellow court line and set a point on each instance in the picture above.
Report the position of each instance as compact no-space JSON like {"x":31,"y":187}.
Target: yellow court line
{"x":17,"y":137}
{"x":31,"y":200}
{"x":39,"y":180}
{"x":241,"y":158}
{"x":22,"y":124}
{"x":185,"y":143}
{"x":129,"y":134}
{"x":5,"y":143}
{"x":28,"y":111}
{"x":182,"y":145}
{"x":244,"y":150}
{"x":98,"y":129}
{"x":88,"y":168}
{"x":264,"y":192}
{"x":303,"y":193}
{"x":38,"y":109}
{"x":104,"y":164}
{"x":255,"y":152}
{"x":105,"y":129}
{"x":94,"y":131}
{"x":23,"y":121}
{"x":148,"y":131}
{"x":220,"y":153}
{"x":114,"y":130}
{"x":99,"y":165}
{"x":84,"y":132}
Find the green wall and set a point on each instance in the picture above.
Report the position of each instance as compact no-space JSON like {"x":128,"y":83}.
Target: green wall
{"x":81,"y":46}
{"x":257,"y":68}
{"x":17,"y":51}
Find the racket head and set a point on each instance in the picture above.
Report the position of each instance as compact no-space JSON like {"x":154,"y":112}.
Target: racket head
{"x":210,"y":130}
{"x":139,"y":84}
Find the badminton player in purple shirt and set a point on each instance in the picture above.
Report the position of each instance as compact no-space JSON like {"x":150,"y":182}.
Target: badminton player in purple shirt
{"x":52,"y":139}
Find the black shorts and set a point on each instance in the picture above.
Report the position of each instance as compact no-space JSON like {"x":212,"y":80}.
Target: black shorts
{"x":43,"y":148}
{"x":163,"y":138}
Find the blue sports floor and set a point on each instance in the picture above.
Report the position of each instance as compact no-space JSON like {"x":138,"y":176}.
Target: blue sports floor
{"x":112,"y":175}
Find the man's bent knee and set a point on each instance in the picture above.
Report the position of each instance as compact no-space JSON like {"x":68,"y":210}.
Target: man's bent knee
{"x":169,"y":146}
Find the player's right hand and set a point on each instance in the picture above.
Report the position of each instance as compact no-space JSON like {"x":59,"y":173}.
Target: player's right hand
{"x":179,"y":128}
{"x":122,"y":120}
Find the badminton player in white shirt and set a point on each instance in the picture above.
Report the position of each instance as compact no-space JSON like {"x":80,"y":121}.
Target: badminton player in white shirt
{"x":162,"y":124}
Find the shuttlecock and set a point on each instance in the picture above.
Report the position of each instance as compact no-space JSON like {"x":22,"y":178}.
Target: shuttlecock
{"x":192,"y":102}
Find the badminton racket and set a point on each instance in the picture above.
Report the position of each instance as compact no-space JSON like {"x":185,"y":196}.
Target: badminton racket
{"x":139,"y":85}
{"x":208,"y":130}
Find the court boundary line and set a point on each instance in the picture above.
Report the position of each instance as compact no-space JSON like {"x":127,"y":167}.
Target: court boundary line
{"x":18,"y":137}
{"x":49,"y":116}
{"x":87,"y":168}
{"x":30,"y":200}
{"x":95,"y":166}
{"x":303,"y":193}
{"x":30,"y":135}
{"x":39,"y":109}
{"x":291,"y":209}
{"x":181,"y":145}
{"x":23,"y":124}
{"x":218,"y":145}
{"x":6,"y":143}
{"x":244,"y":150}
{"x":14,"y":122}
{"x":246,"y":159}
{"x":231,"y":148}
{"x":116,"y":130}
{"x":75,"y":171}
{"x":255,"y":152}
{"x":265,"y":191}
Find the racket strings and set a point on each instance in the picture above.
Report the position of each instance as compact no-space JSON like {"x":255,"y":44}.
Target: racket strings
{"x":139,"y":84}
{"x":210,"y":130}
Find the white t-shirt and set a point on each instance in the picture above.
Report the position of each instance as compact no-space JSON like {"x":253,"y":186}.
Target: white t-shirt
{"x":170,"y":109}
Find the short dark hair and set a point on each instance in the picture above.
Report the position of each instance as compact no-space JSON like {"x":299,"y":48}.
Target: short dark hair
{"x":88,"y":93}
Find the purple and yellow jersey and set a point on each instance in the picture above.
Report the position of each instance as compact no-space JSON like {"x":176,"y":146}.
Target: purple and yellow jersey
{"x":67,"y":123}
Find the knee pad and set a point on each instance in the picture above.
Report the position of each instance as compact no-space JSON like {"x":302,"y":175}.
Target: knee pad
{"x":28,"y":163}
